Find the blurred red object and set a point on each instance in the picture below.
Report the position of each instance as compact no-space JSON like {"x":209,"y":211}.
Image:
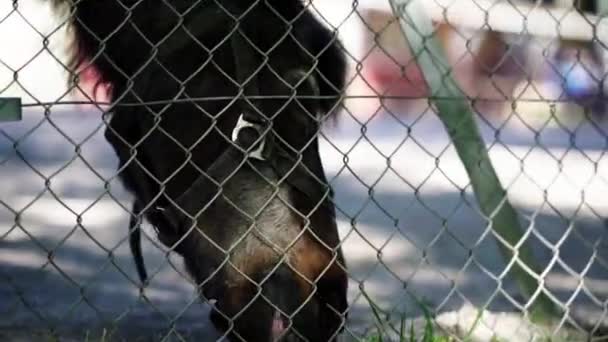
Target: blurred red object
{"x":389,"y":68}
{"x":89,"y":87}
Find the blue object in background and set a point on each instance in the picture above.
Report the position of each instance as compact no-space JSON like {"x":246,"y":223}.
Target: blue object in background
{"x":578,"y":83}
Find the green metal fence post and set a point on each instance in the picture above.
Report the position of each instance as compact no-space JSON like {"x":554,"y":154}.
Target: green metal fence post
{"x":10,"y":109}
{"x":455,"y":112}
{"x":601,"y":7}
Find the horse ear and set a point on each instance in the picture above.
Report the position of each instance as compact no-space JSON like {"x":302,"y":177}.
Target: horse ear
{"x":307,"y":86}
{"x":298,"y":78}
{"x":300,"y":116}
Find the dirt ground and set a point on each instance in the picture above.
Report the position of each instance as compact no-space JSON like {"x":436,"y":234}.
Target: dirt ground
{"x":64,"y":262}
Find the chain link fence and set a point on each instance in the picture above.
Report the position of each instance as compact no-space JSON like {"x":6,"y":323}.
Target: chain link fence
{"x":222,"y":136}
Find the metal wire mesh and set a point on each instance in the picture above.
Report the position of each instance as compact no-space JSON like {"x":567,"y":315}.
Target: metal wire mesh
{"x":418,"y":251}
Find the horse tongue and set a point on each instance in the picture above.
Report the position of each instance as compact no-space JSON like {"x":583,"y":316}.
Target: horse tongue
{"x":278,"y":326}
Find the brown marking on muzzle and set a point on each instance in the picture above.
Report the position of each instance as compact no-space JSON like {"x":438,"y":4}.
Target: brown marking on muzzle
{"x":308,"y":257}
{"x":313,"y":260}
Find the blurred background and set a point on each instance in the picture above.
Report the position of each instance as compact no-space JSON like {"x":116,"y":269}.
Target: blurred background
{"x":411,"y":228}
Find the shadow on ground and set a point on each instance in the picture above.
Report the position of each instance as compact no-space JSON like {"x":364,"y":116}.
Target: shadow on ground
{"x":65,"y":267}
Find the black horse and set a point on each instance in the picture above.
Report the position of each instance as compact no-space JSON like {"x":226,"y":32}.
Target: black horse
{"x":251,"y":214}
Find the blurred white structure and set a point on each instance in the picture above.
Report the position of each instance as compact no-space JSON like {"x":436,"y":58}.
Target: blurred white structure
{"x":30,"y":65}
